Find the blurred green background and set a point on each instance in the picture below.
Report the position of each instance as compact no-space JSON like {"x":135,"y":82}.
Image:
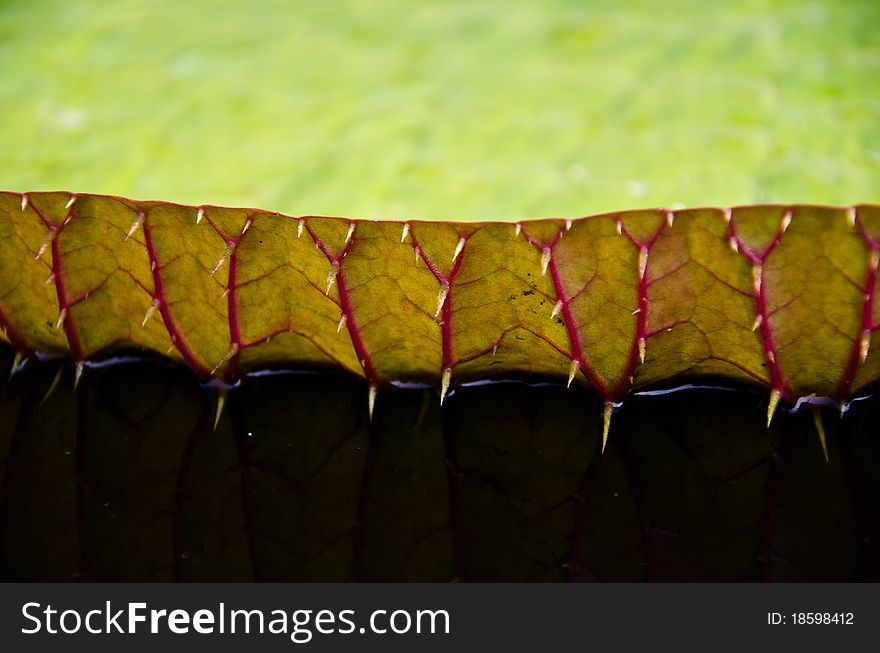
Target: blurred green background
{"x":480,"y":109}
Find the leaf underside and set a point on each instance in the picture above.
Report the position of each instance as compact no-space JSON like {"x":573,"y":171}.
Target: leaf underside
{"x":126,"y":479}
{"x":782,"y":297}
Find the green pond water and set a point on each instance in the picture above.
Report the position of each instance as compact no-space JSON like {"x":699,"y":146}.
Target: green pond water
{"x":483,"y":109}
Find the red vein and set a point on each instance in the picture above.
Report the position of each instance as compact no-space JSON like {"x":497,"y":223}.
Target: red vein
{"x":446,"y":281}
{"x":641,"y":335}
{"x":64,"y":303}
{"x":859,"y":349}
{"x":232,"y":243}
{"x":357,"y":340}
{"x":757,"y":259}
{"x":174,"y":331}
{"x":574,"y":336}
{"x":236,"y":343}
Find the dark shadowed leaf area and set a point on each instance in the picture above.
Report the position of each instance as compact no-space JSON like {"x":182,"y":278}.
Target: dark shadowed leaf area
{"x":125,"y":478}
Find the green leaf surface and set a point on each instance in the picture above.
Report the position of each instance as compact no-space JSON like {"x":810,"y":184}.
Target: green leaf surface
{"x":782,"y":297}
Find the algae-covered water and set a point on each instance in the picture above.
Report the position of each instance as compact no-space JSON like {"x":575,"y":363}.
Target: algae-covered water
{"x":488,"y":109}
